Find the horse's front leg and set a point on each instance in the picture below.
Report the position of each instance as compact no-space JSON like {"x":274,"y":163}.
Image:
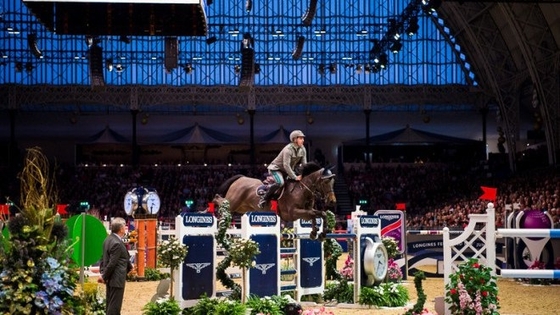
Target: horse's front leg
{"x":313,"y":234}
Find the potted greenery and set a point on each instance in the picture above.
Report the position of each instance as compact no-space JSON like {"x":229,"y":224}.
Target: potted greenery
{"x":172,"y":253}
{"x":242,"y":253}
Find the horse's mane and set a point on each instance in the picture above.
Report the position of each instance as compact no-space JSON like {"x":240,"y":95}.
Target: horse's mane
{"x":309,"y":168}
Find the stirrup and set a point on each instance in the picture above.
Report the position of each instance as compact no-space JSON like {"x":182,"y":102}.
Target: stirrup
{"x":262,"y":203}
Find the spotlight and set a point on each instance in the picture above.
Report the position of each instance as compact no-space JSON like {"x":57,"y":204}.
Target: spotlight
{"x":237,"y":69}
{"x":109,"y":64}
{"x":307,"y":18}
{"x":32,"y":43}
{"x":19,"y":66}
{"x":321,"y":69}
{"x":413,"y":27}
{"x":248,"y":5}
{"x":332,"y":68}
{"x":119,"y":68}
{"x":296,"y":53}
{"x":383,"y":61}
{"x":188,"y":68}
{"x":358,"y":69}
{"x":247,"y":41}
{"x":257,"y":68}
{"x":430,"y":6}
{"x":396,"y":47}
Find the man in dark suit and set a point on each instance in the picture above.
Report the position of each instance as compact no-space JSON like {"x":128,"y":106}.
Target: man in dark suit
{"x":115,"y":265}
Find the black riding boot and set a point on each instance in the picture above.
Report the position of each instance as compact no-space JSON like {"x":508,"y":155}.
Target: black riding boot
{"x":266,"y":197}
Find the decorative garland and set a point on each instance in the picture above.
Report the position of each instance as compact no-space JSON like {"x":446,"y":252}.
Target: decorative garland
{"x":418,"y":308}
{"x":224,"y":221}
{"x":332,"y":249}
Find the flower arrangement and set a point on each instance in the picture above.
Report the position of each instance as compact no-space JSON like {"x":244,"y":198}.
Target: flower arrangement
{"x":538,"y":265}
{"x":35,"y":265}
{"x":391,"y":246}
{"x":472,"y":289}
{"x":243,"y":252}
{"x":317,"y":311}
{"x":385,"y":294}
{"x":347,"y":271}
{"x":172,"y":253}
{"x":394,"y":273}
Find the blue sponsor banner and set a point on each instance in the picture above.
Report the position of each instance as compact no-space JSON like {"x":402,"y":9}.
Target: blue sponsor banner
{"x":369,"y":221}
{"x":311,"y":264}
{"x":198,"y":219}
{"x":198,"y":269}
{"x":262,"y":219}
{"x":263,"y":278}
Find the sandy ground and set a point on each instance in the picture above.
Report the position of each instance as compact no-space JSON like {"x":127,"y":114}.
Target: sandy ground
{"x":516,"y":298}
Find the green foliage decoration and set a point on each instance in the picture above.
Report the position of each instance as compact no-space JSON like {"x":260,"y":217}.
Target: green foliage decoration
{"x":418,"y":307}
{"x":162,"y":307}
{"x":384,"y":295}
{"x":332,"y":250}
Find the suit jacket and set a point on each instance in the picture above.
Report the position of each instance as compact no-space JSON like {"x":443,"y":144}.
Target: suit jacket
{"x":116,"y":261}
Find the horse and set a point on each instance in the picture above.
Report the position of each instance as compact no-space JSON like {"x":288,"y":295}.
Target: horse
{"x":296,"y":199}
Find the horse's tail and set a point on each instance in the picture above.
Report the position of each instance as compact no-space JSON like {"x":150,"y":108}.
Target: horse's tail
{"x":222,"y":190}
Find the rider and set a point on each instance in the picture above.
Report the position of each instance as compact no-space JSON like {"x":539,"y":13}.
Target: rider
{"x":292,"y":154}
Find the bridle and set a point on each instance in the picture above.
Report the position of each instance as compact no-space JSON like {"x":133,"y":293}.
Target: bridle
{"x":315,"y":191}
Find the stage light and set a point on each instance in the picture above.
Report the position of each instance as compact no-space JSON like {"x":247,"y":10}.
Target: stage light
{"x":248,"y":5}
{"x":247,"y":41}
{"x":257,"y":68}
{"x":321,"y":69}
{"x":109,"y":64}
{"x":19,"y":66}
{"x":396,"y":47}
{"x":296,"y":53}
{"x":359,"y":69}
{"x":430,"y":6}
{"x":332,"y":68}
{"x":32,"y":43}
{"x":188,"y":68}
{"x":307,"y":18}
{"x":413,"y":27}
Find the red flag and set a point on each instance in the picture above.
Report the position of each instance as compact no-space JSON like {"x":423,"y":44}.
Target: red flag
{"x":274,"y":206}
{"x":401,"y":206}
{"x":210,"y":207}
{"x":489,"y":193}
{"x":61,"y":209}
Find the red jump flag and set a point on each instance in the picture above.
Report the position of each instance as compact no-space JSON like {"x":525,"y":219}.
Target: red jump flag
{"x":401,"y":206}
{"x":489,"y":193}
{"x":5,"y":209}
{"x":211,"y":207}
{"x":61,"y":209}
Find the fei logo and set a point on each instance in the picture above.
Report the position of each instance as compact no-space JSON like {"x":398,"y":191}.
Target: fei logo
{"x":198,"y":266}
{"x":264,"y":267}
{"x":311,"y":260}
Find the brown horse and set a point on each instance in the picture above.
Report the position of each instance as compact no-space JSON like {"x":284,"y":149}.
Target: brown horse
{"x":296,"y":199}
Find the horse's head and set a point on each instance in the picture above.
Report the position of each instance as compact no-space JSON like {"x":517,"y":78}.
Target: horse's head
{"x":321,"y":181}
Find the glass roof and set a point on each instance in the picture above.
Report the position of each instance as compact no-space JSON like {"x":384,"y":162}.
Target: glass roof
{"x":338,"y":47}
